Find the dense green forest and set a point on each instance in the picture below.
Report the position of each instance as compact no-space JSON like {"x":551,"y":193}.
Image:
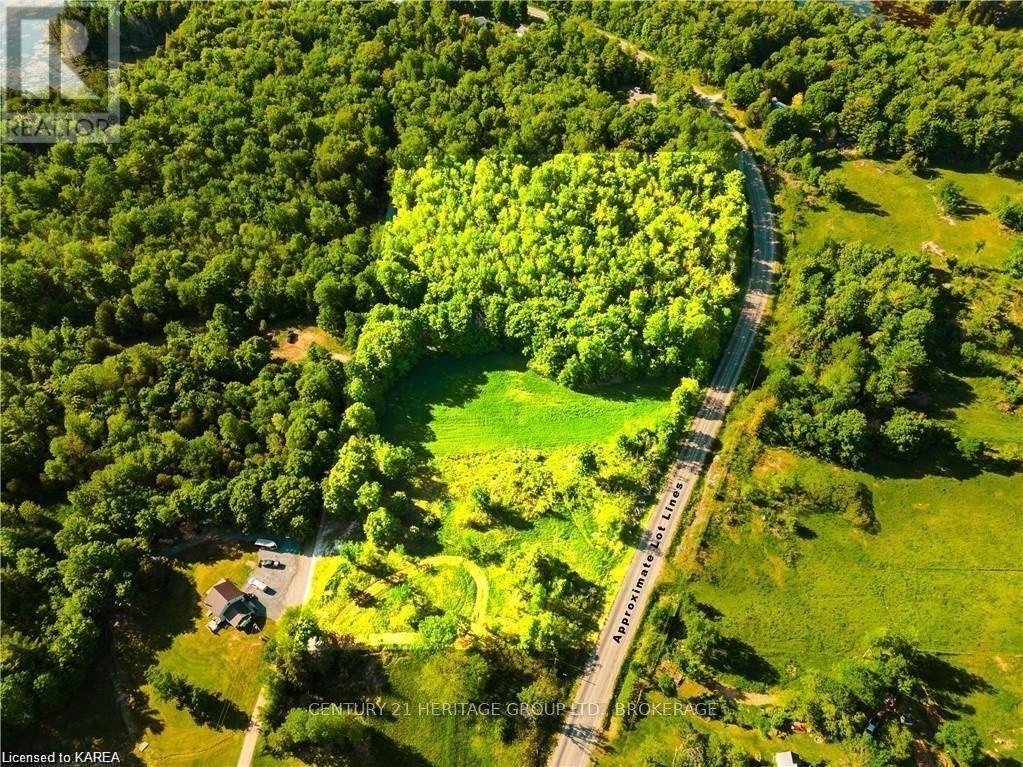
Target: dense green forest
{"x":599,"y":267}
{"x":855,"y":345}
{"x":817,"y":76}
{"x":254,"y":164}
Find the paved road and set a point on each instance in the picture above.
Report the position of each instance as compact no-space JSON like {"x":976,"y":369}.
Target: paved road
{"x":582,"y":728}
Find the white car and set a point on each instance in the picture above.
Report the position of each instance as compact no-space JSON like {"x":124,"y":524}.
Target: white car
{"x":258,"y":584}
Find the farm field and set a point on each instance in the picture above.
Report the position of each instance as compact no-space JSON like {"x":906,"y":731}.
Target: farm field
{"x":462,"y":405}
{"x":937,"y":570}
{"x":889,"y":208}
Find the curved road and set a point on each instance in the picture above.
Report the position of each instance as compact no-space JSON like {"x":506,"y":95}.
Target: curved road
{"x":581,"y":730}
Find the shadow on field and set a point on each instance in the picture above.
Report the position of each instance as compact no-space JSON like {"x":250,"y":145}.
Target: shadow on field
{"x":439,"y":380}
{"x":141,"y":638}
{"x":940,"y":463}
{"x":740,"y":659}
{"x":855,"y":202}
{"x":387,"y":751}
{"x":948,"y":683}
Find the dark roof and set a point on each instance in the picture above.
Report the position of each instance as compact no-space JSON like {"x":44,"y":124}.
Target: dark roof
{"x":238,"y":615}
{"x":222,"y":593}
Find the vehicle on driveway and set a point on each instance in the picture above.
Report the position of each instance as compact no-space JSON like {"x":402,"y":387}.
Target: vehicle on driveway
{"x":266,"y":543}
{"x":256,"y":583}
{"x":273,"y":564}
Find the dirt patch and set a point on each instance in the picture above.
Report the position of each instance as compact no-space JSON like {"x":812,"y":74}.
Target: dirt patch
{"x":293,"y":343}
{"x":636,"y":96}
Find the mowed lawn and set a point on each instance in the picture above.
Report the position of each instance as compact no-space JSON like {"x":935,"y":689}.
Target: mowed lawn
{"x":462,"y":405}
{"x":226,"y":664}
{"x":943,"y":568}
{"x":887,"y":208}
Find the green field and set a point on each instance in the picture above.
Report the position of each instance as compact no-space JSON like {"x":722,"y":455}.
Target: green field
{"x":457,"y":406}
{"x":226,"y":664}
{"x":889,"y":208}
{"x":490,"y":423}
{"x":173,"y":635}
{"x":972,"y":411}
{"x":938,"y":570}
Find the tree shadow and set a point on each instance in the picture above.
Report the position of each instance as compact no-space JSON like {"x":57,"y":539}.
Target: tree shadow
{"x":949,"y":393}
{"x":211,"y":709}
{"x":940,"y":461}
{"x":387,"y":751}
{"x":804,"y":532}
{"x":438,"y":380}
{"x":948,"y":684}
{"x":739,"y":658}
{"x":855,"y":202}
{"x":505,"y":516}
{"x":171,"y":610}
{"x":970,"y":209}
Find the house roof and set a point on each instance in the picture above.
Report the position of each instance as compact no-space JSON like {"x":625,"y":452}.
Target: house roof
{"x":785,"y":759}
{"x":221,"y":595}
{"x":237,"y":614}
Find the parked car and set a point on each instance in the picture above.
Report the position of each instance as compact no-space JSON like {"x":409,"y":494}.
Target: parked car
{"x":871,"y":727}
{"x":255,"y":582}
{"x":266,"y":543}
{"x":273,"y":564}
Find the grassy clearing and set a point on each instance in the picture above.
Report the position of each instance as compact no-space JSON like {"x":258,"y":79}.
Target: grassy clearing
{"x":172,"y":633}
{"x":894,"y":209}
{"x":457,"y":406}
{"x":308,"y":335}
{"x":937,"y":570}
{"x":490,"y":424}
